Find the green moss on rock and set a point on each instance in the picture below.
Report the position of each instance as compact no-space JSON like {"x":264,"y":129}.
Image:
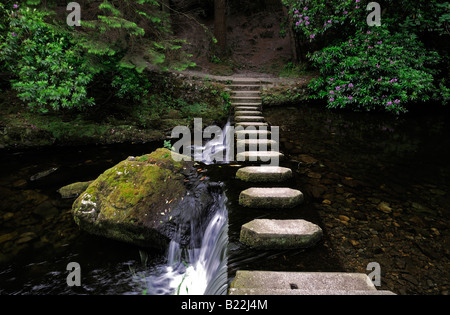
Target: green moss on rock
{"x":132,"y":201}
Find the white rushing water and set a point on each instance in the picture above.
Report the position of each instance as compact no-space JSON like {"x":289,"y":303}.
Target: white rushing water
{"x":218,"y":149}
{"x":197,"y":271}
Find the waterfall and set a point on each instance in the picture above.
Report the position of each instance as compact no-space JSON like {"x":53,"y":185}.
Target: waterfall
{"x":200,"y":270}
{"x":197,"y":271}
{"x":218,"y":149}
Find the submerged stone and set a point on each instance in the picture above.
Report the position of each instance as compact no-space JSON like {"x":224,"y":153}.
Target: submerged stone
{"x":74,"y":190}
{"x":270,"y":198}
{"x":280,"y":234}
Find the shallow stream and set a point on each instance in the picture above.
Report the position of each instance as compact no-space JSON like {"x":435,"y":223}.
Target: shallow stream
{"x":377,"y":185}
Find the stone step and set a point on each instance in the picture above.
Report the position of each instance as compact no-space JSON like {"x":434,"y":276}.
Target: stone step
{"x":253,"y":134}
{"x":306,"y":281}
{"x":263,"y":291}
{"x":252,"y":124}
{"x":265,"y":282}
{"x":246,"y":81}
{"x":245,"y":100}
{"x":259,"y":156}
{"x":248,"y":119}
{"x":247,"y":108}
{"x":268,"y":198}
{"x":246,"y":94}
{"x":236,"y":104}
{"x":263,"y":174}
{"x":256,"y":144}
{"x":280,"y":234}
{"x":247,"y":113}
{"x":245,"y":87}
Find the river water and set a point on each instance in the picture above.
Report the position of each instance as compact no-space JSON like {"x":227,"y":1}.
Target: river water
{"x":349,"y":166}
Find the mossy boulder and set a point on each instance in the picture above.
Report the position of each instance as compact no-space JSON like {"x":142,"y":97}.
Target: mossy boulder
{"x":144,"y":201}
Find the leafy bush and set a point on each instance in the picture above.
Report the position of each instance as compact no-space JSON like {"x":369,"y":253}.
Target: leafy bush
{"x":49,"y":73}
{"x":375,"y":70}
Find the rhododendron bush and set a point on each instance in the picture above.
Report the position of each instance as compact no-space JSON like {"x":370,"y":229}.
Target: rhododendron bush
{"x":366,"y":68}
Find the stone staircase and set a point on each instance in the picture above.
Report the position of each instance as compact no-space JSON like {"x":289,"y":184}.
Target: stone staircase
{"x":277,"y":234}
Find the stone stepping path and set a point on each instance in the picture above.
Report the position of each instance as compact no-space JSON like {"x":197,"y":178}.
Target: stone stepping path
{"x":280,"y":234}
{"x":302,"y":283}
{"x":266,"y":234}
{"x":268,"y":198}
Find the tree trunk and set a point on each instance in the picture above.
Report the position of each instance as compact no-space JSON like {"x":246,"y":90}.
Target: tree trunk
{"x":220,"y":24}
{"x":290,"y":32}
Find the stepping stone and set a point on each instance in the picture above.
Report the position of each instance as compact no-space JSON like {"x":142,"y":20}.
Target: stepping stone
{"x":248,"y":113}
{"x":245,"y":100}
{"x":256,"y":144}
{"x":263,"y":174}
{"x":240,"y":134}
{"x":280,"y":234}
{"x":245,"y":119}
{"x":245,"y":87}
{"x":236,"y":104}
{"x":252,"y":124}
{"x":269,"y":198}
{"x":247,"y":94}
{"x":259,"y":156}
{"x":247,"y":108}
{"x":302,"y":283}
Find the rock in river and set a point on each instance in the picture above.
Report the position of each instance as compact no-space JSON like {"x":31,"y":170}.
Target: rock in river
{"x":146,"y":201}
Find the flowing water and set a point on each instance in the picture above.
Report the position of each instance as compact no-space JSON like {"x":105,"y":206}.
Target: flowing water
{"x":347,"y":165}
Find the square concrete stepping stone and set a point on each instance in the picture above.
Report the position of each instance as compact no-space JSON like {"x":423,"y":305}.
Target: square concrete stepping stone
{"x":248,"y":113}
{"x":254,"y":134}
{"x":247,"y":108}
{"x":302,"y":283}
{"x":256,"y":144}
{"x":264,"y":174}
{"x":259,"y":156}
{"x":245,"y":119}
{"x":280,"y":234}
{"x":252,"y":124}
{"x":268,"y":198}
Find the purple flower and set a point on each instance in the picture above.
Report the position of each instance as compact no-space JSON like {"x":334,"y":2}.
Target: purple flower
{"x":16,"y":6}
{"x":300,"y":21}
{"x":312,"y":36}
{"x":306,"y":18}
{"x":378,"y":66}
{"x":345,"y":12}
{"x":350,"y":85}
{"x":358,"y":1}
{"x":338,"y":88}
{"x":350,"y":98}
{"x":331,"y":99}
{"x":305,"y":8}
{"x":389,"y":103}
{"x":329,"y":21}
{"x":397,"y":101}
{"x":14,"y":34}
{"x":331,"y":92}
{"x":380,"y":42}
{"x":307,"y":23}
{"x":296,"y":12}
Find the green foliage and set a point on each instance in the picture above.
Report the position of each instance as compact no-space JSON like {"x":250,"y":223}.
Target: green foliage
{"x":49,"y":73}
{"x":386,"y":67}
{"x":376,"y":70}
